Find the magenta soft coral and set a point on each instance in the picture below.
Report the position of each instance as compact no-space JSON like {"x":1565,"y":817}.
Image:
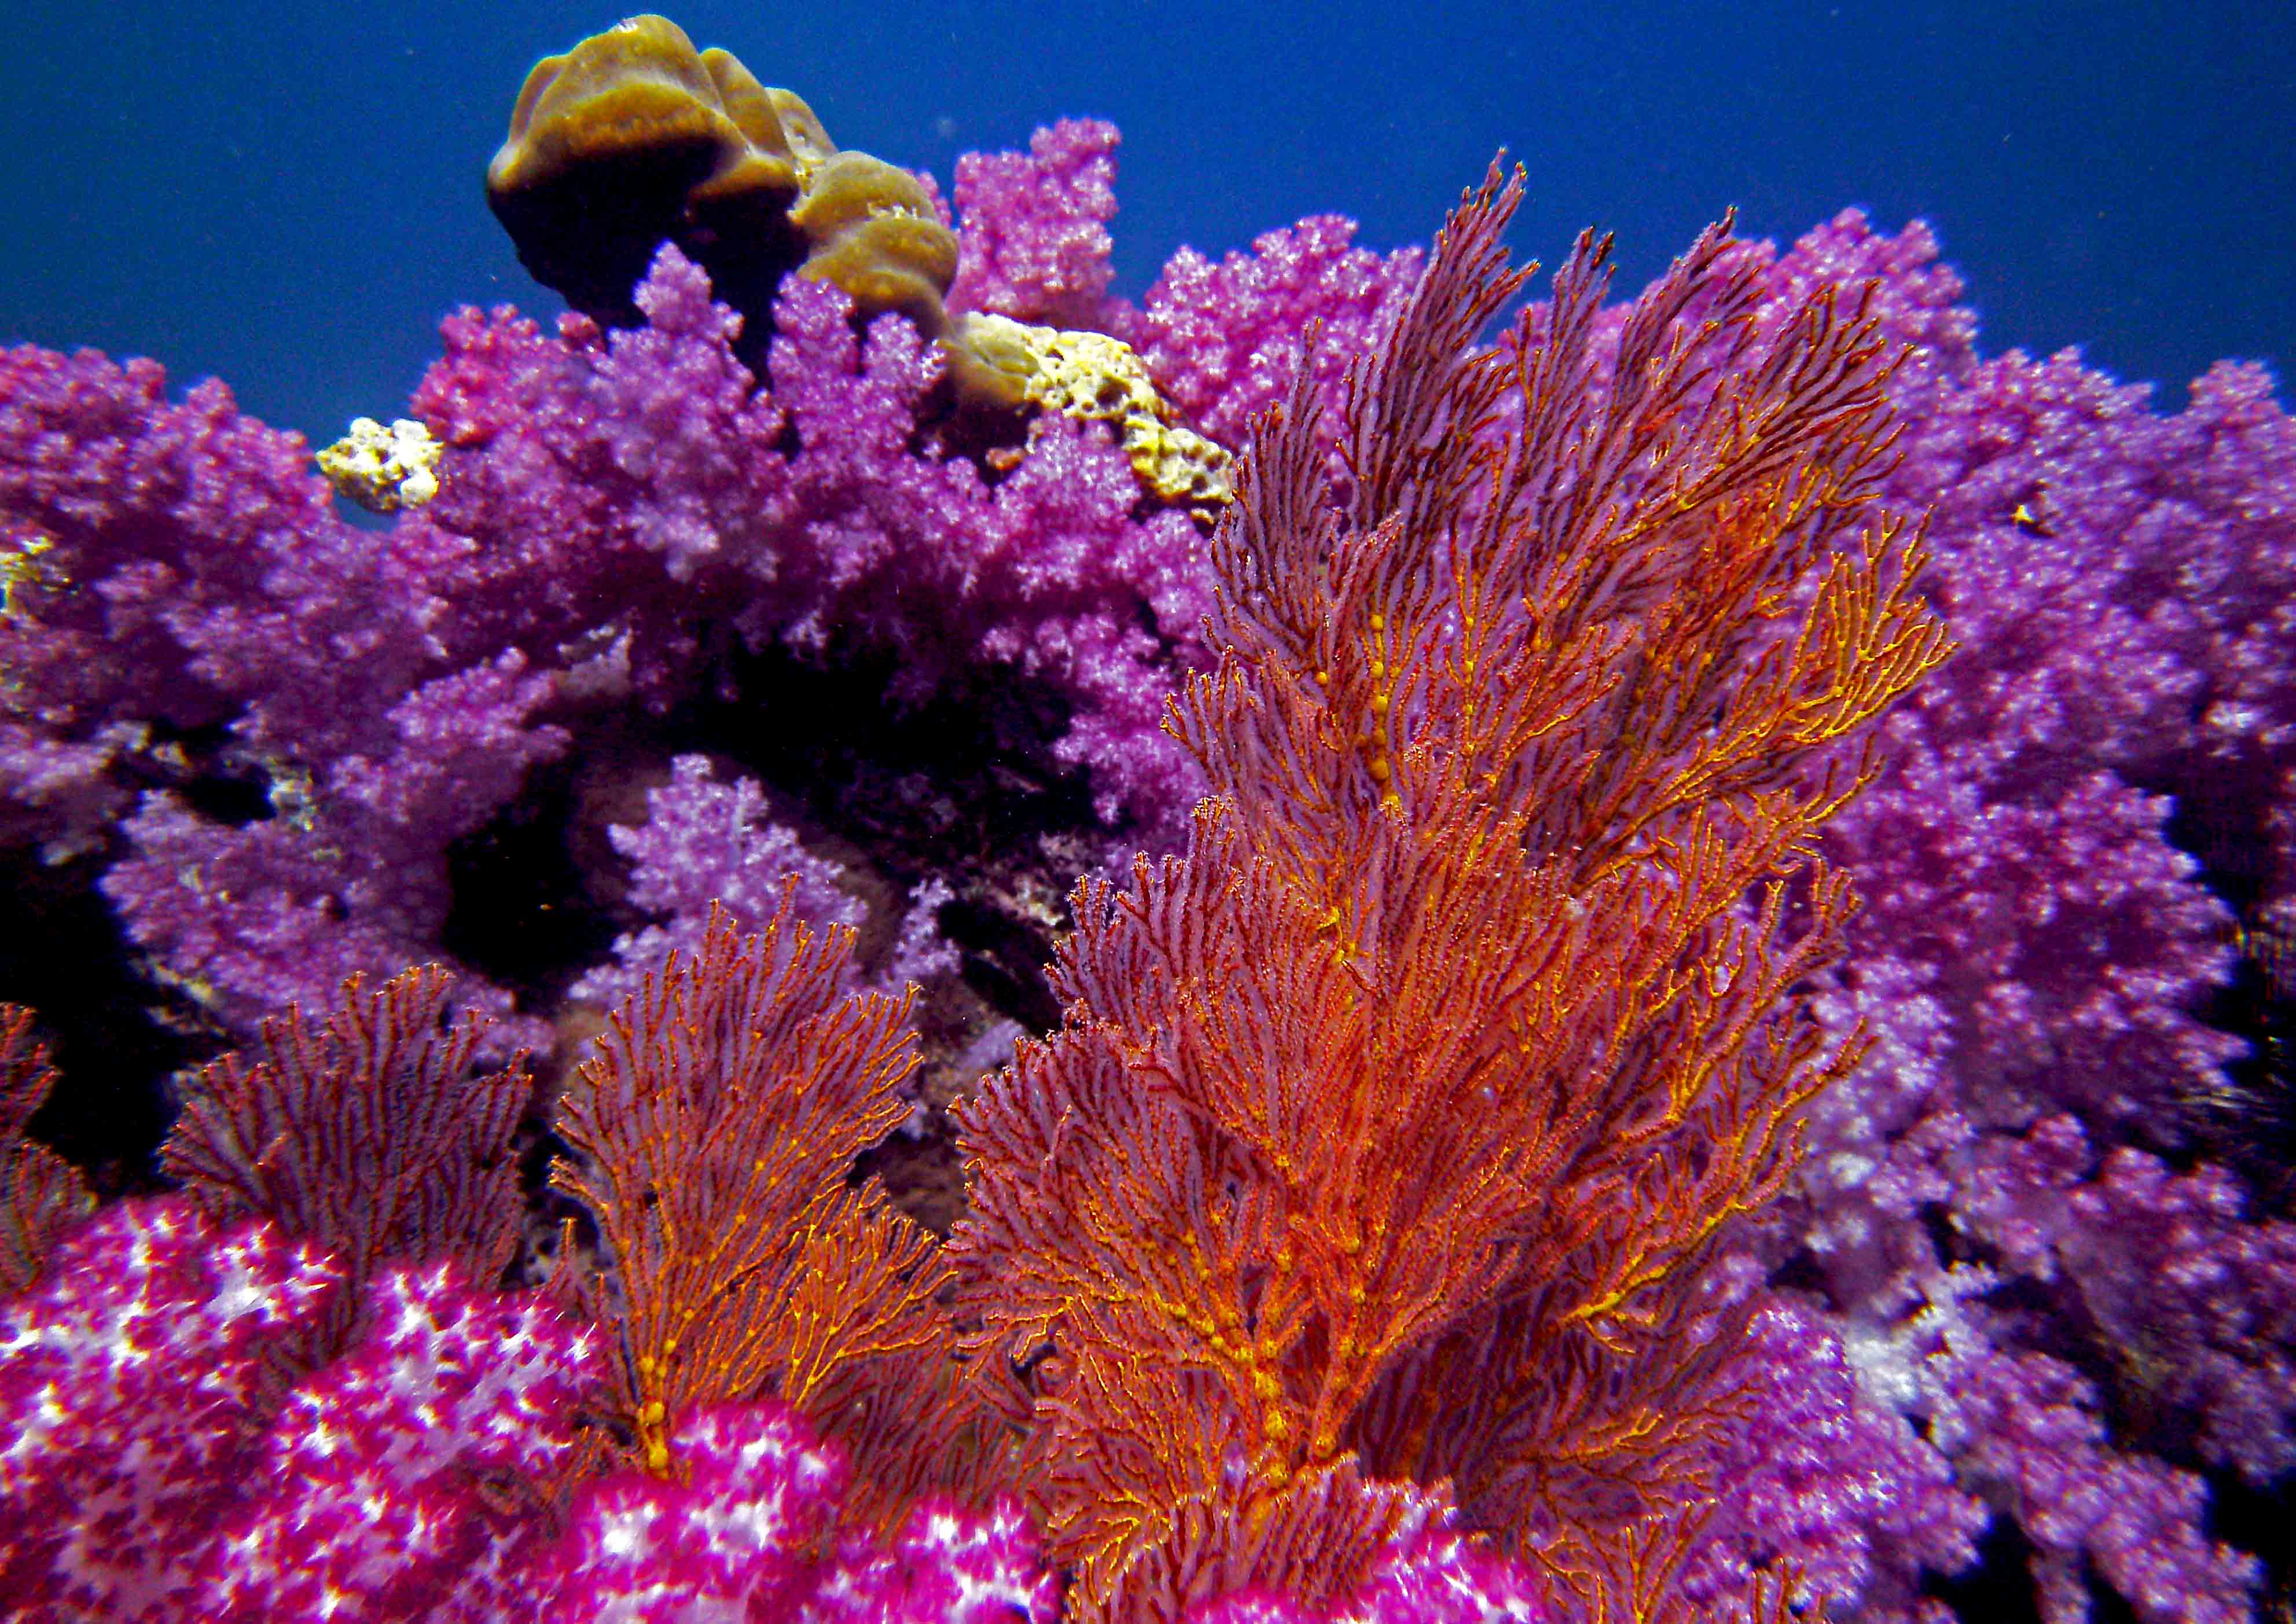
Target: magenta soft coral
{"x":374,"y":1480}
{"x":146,"y":1481}
{"x":131,"y":1379}
{"x":755,"y":1530}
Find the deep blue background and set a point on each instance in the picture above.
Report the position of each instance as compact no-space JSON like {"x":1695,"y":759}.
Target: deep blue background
{"x":288,"y":195}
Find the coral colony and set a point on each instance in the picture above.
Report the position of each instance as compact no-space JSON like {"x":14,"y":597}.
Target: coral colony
{"x":1672,"y":1005}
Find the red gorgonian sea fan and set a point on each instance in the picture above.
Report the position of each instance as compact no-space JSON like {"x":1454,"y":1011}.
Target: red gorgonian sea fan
{"x":1389,"y":1133}
{"x":41,"y":1194}
{"x":714,"y":1132}
{"x":368,"y":1132}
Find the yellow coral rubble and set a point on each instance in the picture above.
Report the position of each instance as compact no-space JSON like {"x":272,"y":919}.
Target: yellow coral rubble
{"x":1094,"y":378}
{"x":383,"y":469}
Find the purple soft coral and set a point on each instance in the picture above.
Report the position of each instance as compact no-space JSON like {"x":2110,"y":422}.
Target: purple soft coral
{"x":2041,"y":939}
{"x":186,"y":572}
{"x":591,"y":456}
{"x":1825,"y":1484}
{"x":703,"y":843}
{"x":1036,"y":243}
{"x":1225,"y":340}
{"x":176,"y":567}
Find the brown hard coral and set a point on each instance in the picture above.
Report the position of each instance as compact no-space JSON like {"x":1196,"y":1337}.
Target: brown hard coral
{"x":634,"y":138}
{"x":873,"y":232}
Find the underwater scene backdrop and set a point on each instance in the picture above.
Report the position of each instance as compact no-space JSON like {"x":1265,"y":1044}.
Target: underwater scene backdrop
{"x":828,"y":852}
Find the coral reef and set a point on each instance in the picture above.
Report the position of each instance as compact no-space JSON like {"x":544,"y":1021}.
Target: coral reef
{"x":711,"y":594}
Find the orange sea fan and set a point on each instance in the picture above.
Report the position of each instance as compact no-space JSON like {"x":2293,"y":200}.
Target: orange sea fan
{"x":714,"y":1130}
{"x":41,"y":1194}
{"x":1388,"y":1134}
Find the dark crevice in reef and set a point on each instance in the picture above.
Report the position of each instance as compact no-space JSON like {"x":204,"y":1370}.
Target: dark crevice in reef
{"x":964,"y":786}
{"x":2219,"y":821}
{"x":233,"y":798}
{"x":114,"y":1037}
{"x":1003,"y":963}
{"x":984,"y":747}
{"x":2106,"y":1606}
{"x":118,"y":1037}
{"x":1998,"y":1588}
{"x":522,"y":912}
{"x":2251,"y":1126}
{"x":207,"y":769}
{"x":961,"y":785}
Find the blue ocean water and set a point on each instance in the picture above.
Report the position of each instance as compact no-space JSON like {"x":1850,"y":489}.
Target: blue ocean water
{"x":288,"y":195}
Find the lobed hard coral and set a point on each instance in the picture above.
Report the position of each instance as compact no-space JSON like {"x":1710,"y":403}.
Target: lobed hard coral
{"x":634,"y":139}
